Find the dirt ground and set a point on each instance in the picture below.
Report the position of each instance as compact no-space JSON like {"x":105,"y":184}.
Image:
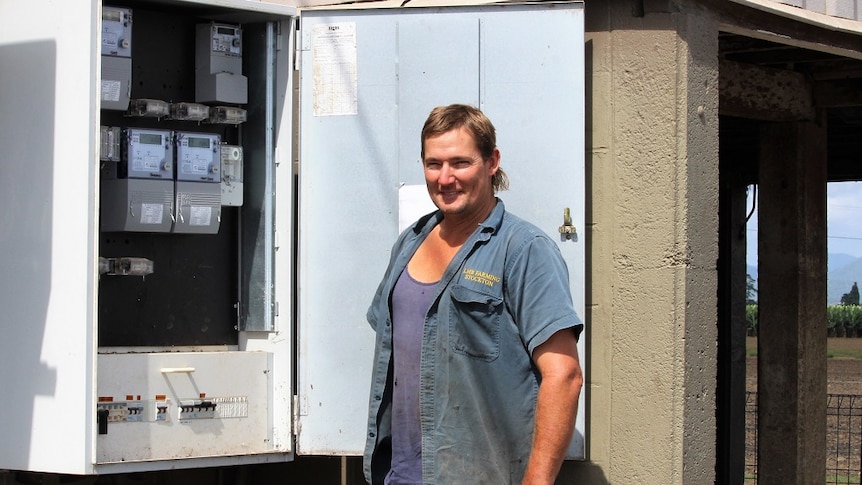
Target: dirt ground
{"x":843,"y":439}
{"x":844,"y":375}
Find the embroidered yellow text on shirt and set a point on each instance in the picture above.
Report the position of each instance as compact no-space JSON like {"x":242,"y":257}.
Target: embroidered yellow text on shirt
{"x":481,"y":277}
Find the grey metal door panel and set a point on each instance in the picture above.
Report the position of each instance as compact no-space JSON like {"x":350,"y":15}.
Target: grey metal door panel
{"x":522,"y":64}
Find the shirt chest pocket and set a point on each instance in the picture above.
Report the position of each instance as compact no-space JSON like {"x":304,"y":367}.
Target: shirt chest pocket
{"x":474,"y":323}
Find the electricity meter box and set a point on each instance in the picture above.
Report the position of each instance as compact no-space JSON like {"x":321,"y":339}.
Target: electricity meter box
{"x":218,"y":76}
{"x":173,"y":291}
{"x":116,"y":52}
{"x":198,"y":185}
{"x":138,"y":192}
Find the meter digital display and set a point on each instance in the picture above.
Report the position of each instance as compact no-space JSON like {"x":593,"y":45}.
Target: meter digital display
{"x":150,"y":139}
{"x":195,"y":142}
{"x":110,"y":15}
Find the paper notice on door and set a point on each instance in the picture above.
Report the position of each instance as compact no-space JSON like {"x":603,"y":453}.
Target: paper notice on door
{"x":333,"y":54}
{"x":413,"y":203}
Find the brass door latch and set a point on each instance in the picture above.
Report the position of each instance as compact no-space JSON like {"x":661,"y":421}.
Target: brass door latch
{"x":567,"y":229}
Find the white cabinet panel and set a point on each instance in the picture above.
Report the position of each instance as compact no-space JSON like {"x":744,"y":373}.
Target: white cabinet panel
{"x":47,"y":276}
{"x":523,"y":65}
{"x":165,"y":406}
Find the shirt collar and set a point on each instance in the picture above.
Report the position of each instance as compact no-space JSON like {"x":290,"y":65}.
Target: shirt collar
{"x":490,"y":225}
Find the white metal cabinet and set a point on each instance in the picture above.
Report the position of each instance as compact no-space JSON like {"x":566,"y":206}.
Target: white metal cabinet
{"x":368,"y":80}
{"x":59,"y":372}
{"x":360,"y":173}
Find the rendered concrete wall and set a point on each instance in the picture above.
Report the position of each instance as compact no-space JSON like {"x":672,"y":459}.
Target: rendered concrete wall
{"x":652,"y":158}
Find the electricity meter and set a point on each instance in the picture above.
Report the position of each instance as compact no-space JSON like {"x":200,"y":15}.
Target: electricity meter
{"x":116,"y":58}
{"x":198,"y":184}
{"x":218,"y":64}
{"x":116,"y":32}
{"x":231,"y":175}
{"x":198,"y":157}
{"x":141,"y":197}
{"x":147,"y":154}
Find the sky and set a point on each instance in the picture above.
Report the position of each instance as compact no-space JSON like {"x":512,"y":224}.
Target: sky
{"x":844,"y":221}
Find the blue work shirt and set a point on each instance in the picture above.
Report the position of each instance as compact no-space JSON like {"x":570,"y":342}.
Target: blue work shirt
{"x":504,"y":293}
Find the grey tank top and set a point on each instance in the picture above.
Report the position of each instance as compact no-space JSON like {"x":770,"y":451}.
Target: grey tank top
{"x":411,"y":301}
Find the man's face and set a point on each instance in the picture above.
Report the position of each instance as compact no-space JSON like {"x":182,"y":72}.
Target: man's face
{"x":458,"y":179}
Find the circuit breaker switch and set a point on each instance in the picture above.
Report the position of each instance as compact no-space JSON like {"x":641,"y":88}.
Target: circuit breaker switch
{"x":196,"y":409}
{"x":102,"y":420}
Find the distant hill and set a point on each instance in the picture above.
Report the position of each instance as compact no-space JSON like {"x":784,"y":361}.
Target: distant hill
{"x":843,"y":271}
{"x":751,"y":270}
{"x":839,"y":260}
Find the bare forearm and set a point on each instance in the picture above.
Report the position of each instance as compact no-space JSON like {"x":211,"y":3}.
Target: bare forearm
{"x":556,"y":410}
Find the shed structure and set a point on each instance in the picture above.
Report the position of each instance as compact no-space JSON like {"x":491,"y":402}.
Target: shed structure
{"x":688,"y":104}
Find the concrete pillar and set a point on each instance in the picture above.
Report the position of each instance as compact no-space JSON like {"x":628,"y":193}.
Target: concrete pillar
{"x":652,"y":239}
{"x":792,"y":304}
{"x":730,"y":389}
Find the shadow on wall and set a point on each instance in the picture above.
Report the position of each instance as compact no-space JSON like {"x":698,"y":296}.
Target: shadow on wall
{"x":26,"y":218}
{"x":578,"y":472}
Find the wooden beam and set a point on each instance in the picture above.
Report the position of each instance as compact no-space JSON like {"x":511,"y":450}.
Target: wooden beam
{"x":838,"y":93}
{"x":770,"y":25}
{"x":763,"y":93}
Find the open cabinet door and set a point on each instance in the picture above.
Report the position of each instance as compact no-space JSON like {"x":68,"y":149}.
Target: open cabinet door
{"x":48,"y":113}
{"x":369,"y":78}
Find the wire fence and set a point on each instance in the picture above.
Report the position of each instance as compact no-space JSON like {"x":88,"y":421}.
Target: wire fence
{"x":843,"y":439}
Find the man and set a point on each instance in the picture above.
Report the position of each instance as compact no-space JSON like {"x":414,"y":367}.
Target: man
{"x":476,"y":375}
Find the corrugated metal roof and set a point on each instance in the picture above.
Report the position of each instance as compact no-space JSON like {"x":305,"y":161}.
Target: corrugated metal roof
{"x":842,"y":15}
{"x":846,"y":9}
